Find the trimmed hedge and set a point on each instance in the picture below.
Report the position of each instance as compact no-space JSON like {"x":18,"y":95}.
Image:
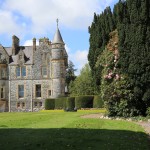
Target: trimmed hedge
{"x":60,"y":102}
{"x":49,"y":104}
{"x":84,"y":102}
{"x":70,"y":103}
{"x":98,"y":102}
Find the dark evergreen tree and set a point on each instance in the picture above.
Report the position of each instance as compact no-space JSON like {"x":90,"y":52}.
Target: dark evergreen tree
{"x":131,"y":18}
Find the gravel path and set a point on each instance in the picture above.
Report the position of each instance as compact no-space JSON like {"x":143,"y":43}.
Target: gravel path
{"x":144,"y":124}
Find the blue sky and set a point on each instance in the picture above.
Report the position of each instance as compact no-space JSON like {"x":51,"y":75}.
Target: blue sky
{"x":37,"y":18}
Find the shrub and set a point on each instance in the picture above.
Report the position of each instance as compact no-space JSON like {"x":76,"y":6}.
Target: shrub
{"x":49,"y":104}
{"x":98,"y":102}
{"x":70,"y":103}
{"x":148,"y":111}
{"x":60,"y":102}
{"x":84,"y":102}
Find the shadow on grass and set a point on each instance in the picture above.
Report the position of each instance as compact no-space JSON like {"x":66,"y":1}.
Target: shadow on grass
{"x":72,"y":139}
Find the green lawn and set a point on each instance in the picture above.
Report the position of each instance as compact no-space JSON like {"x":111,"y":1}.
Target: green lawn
{"x":58,"y":130}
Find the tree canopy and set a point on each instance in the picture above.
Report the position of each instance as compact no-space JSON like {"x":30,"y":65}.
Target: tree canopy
{"x":82,"y":85}
{"x":131,"y":19}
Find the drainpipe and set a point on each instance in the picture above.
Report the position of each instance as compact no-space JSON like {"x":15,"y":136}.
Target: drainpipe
{"x":9,"y":89}
{"x":31,"y":89}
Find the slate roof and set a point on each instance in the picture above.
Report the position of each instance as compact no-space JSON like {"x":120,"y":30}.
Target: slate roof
{"x":28,"y":51}
{"x":57,"y":37}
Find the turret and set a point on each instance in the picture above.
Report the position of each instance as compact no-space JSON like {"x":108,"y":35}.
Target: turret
{"x":58,"y":64}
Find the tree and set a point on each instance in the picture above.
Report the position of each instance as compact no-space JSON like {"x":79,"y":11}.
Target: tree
{"x":131,"y":18}
{"x":83,"y":84}
{"x":70,"y":74}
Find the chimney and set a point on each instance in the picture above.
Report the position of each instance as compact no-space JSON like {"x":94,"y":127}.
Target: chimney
{"x":34,"y":44}
{"x":15,"y":44}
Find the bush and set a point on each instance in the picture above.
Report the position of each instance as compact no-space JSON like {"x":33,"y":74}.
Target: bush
{"x":84,"y":102}
{"x":60,"y":102}
{"x":49,"y":104}
{"x":148,"y":112}
{"x":98,"y":102}
{"x":70,"y":103}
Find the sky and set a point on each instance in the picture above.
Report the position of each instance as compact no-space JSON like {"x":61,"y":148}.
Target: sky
{"x":37,"y":18}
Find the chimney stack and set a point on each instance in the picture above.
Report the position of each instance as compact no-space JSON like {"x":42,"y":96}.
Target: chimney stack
{"x":34,"y":44}
{"x":15,"y":44}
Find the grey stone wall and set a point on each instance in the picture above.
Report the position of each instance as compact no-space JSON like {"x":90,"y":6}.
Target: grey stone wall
{"x":44,"y":55}
{"x":29,"y":93}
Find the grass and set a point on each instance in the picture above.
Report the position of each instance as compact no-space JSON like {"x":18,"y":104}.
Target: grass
{"x":60,"y":130}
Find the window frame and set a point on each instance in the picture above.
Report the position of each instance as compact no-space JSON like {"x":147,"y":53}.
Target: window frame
{"x":3,"y":73}
{"x":18,"y":105}
{"x":44,"y":70}
{"x":21,"y":71}
{"x":2,"y":92}
{"x":40,"y":104}
{"x":49,"y":93}
{"x":38,"y":91}
{"x":23,"y":104}
{"x":35,"y":104}
{"x":18,"y":72}
{"x":22,"y":91}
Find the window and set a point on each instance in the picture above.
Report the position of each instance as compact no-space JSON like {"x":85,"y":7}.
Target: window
{"x":21,"y":91}
{"x":18,"y":71}
{"x":23,"y":104}
{"x":18,"y":104}
{"x":38,"y":90}
{"x":35,"y":104}
{"x":2,"y":92}
{"x":3,"y":72}
{"x":40,"y":104}
{"x":49,"y":93}
{"x":23,"y":71}
{"x":44,"y":71}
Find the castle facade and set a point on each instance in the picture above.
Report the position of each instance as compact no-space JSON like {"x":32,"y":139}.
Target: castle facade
{"x":31,"y":74}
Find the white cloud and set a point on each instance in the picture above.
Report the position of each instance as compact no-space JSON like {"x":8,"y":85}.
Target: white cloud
{"x":7,"y":23}
{"x":79,"y":58}
{"x":43,"y":13}
{"x":38,"y":17}
{"x":30,"y":43}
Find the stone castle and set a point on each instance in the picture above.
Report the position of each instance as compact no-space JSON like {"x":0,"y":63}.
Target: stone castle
{"x":30,"y":74}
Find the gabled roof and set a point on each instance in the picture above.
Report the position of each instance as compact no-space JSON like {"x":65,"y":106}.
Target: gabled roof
{"x":28,"y":51}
